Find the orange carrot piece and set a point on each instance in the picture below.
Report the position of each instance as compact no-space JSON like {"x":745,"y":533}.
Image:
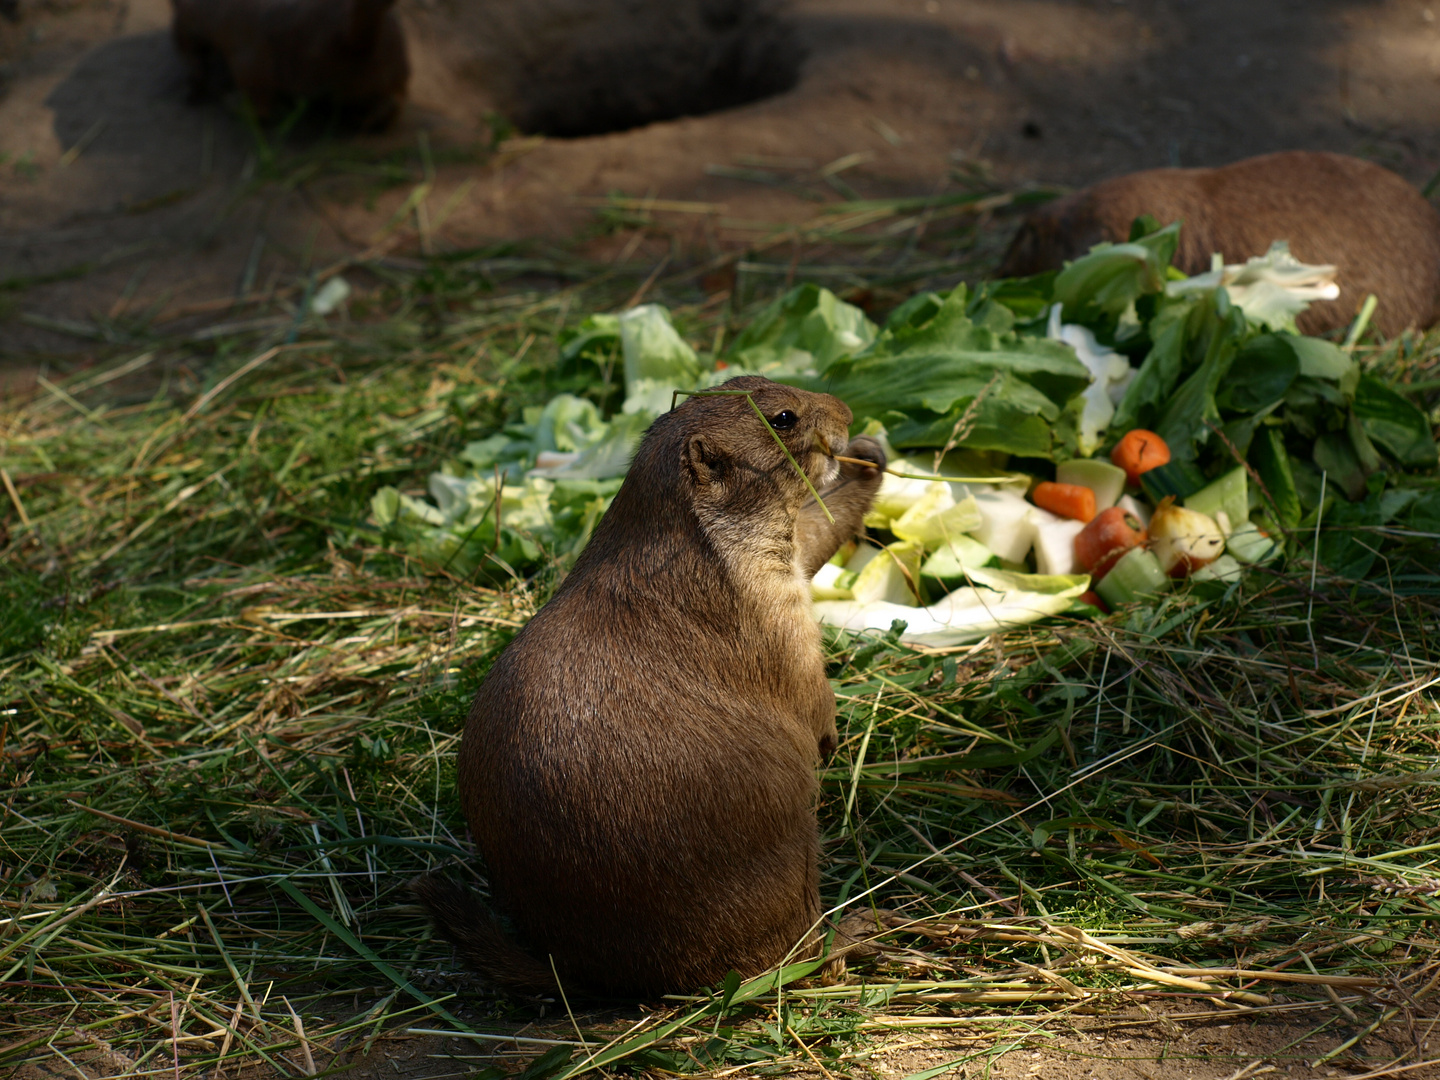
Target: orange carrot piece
{"x":1067,"y":500}
{"x":1139,"y":452}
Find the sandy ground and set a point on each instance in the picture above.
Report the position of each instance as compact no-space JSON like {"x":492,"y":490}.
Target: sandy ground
{"x":120,"y":200}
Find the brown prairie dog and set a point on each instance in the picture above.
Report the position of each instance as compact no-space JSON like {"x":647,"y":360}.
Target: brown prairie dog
{"x":1379,"y":232}
{"x":638,"y":769}
{"x":348,"y":52}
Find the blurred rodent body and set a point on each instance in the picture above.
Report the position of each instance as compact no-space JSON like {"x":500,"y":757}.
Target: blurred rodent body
{"x":275,"y":52}
{"x":1378,"y":230}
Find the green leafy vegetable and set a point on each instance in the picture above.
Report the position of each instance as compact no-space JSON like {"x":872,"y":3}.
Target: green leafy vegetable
{"x":1395,"y":423}
{"x":807,"y":329}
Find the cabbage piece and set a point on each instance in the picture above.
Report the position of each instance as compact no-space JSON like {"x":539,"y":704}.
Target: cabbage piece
{"x":1055,"y":545}
{"x":936,"y":517}
{"x":898,"y":494}
{"x":1006,"y":525}
{"x":966,"y":614}
{"x":825,"y":584}
{"x":892,"y":575}
{"x":654,"y":352}
{"x":1110,"y":373}
{"x":805,"y":331}
{"x":1271,"y":289}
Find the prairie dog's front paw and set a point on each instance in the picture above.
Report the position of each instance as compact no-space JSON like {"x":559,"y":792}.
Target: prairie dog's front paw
{"x":866,"y":449}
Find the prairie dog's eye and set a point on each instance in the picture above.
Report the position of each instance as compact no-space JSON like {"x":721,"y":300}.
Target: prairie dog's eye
{"x":784,"y":420}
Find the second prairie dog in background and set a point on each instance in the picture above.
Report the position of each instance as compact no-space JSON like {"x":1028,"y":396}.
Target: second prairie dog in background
{"x":347,"y":52}
{"x":638,"y":769}
{"x":1379,"y":232}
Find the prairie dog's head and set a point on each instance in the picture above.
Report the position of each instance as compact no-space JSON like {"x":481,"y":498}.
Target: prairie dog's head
{"x":730,"y":457}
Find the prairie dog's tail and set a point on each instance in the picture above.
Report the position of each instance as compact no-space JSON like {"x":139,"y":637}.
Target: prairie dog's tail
{"x":462,"y":919}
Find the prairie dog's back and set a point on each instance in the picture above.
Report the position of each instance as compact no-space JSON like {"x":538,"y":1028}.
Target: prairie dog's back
{"x":638,"y":768}
{"x":1333,"y":209}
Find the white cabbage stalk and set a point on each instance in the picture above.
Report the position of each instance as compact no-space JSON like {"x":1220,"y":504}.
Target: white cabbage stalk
{"x":1110,"y":373}
{"x":1271,"y":289}
{"x":967,"y":614}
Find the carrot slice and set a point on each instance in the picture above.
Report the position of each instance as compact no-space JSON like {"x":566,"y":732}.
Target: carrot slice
{"x":1139,"y":452}
{"x":1102,"y":542}
{"x":1067,"y":500}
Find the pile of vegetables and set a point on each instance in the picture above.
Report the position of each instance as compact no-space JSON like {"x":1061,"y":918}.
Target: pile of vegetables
{"x":1081,"y":439}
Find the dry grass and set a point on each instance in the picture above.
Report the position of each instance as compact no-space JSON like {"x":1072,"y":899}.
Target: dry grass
{"x":229,"y":711}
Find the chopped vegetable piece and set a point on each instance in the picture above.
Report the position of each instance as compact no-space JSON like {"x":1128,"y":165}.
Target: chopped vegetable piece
{"x":1106,"y":539}
{"x":1228,"y":495}
{"x":1251,"y":545}
{"x":892,"y":576}
{"x":965,"y":615}
{"x":1109,"y":373}
{"x":1055,"y":545}
{"x":1006,"y":526}
{"x":1095,"y":600}
{"x":1139,"y":452}
{"x":936,"y":517}
{"x":861,"y":559}
{"x":1136,"y":576}
{"x":1068,"y":500}
{"x":1105,"y":480}
{"x":825,"y":585}
{"x":945,"y":570}
{"x":1134,"y":506}
{"x":1184,"y":540}
{"x":1224,"y":570}
{"x":1179,"y":478}
{"x":897,"y":494}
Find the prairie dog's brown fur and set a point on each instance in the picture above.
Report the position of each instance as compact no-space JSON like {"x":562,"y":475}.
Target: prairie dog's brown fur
{"x":1333,"y":209}
{"x":638,"y":769}
{"x":349,"y":52}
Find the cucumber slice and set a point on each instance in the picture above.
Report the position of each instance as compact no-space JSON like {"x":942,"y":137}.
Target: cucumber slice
{"x":1224,"y":570}
{"x":1230,"y":494}
{"x":1178,"y":478}
{"x":1250,"y":545}
{"x":1136,"y":576}
{"x":1105,"y":480}
{"x":946,"y":568}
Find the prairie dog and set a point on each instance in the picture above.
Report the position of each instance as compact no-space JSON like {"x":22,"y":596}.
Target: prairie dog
{"x":1333,"y":209}
{"x":638,"y":769}
{"x":349,"y":52}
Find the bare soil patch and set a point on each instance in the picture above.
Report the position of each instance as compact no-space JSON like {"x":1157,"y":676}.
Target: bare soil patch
{"x":121,"y":206}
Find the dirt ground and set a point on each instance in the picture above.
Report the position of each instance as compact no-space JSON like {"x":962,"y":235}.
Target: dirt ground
{"x":1299,"y":1041}
{"x":1130,"y":1044}
{"x":117,"y":197}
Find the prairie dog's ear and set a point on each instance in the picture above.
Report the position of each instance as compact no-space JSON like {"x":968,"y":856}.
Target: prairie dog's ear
{"x":703,"y":461}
